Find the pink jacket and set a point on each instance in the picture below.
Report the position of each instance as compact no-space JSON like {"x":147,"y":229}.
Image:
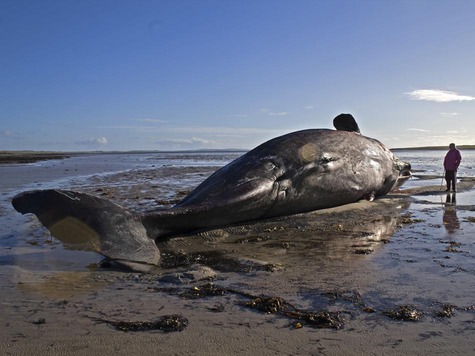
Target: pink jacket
{"x":452,"y":160}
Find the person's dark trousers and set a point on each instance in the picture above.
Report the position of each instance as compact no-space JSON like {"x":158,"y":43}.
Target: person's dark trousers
{"x":450,"y":178}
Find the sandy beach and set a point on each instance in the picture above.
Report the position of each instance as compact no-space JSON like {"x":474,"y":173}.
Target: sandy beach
{"x":388,"y":277}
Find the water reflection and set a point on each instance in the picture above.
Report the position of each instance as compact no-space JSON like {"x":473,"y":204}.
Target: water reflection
{"x":62,"y":285}
{"x":450,"y":219}
{"x":318,"y":238}
{"x":450,"y":199}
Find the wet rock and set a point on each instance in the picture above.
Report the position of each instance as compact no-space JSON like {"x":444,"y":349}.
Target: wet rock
{"x":39,"y":321}
{"x":363,"y":251}
{"x":217,"y":308}
{"x":195,"y":274}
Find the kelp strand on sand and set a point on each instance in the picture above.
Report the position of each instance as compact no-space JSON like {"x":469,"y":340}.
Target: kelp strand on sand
{"x":166,"y":323}
{"x":268,"y":305}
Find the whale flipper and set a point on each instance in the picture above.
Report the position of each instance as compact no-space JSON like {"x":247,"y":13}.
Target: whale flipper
{"x":346,"y":122}
{"x":80,"y":218}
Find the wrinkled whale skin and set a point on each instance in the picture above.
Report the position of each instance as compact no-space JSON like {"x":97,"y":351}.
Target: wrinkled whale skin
{"x":295,"y":173}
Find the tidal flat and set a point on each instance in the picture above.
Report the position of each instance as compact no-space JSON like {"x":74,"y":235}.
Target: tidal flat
{"x":391,"y":276}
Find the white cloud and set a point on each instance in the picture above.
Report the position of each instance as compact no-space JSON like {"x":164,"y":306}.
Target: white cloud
{"x":208,"y":130}
{"x":8,"y":134}
{"x":93,"y":141}
{"x":420,"y":130}
{"x":283,"y":113}
{"x":308,"y":107}
{"x":449,"y":114}
{"x":220,"y":130}
{"x":185,"y":142}
{"x":128,"y":127}
{"x":101,"y":140}
{"x":238,"y":116}
{"x":440,"y":96}
{"x":273,"y":113}
{"x":159,"y":121}
{"x":201,"y":141}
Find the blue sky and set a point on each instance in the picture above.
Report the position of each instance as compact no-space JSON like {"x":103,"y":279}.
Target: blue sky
{"x":167,"y":75}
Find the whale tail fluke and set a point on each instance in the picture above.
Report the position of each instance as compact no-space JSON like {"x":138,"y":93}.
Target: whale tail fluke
{"x":79,"y":218}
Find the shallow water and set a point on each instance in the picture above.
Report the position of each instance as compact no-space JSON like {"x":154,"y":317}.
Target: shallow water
{"x":348,"y":261}
{"x":443,"y":198}
{"x":431,"y":162}
{"x":22,"y":237}
{"x":148,"y":181}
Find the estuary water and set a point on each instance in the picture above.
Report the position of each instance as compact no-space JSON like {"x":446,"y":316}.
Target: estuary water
{"x":431,"y":162}
{"x":80,"y":168}
{"x":184,"y":171}
{"x":398,"y":271}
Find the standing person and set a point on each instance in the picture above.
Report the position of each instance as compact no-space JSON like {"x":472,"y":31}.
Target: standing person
{"x":451,"y":164}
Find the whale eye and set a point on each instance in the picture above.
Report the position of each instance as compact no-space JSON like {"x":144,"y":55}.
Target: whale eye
{"x":270,"y":166}
{"x":326,"y":159}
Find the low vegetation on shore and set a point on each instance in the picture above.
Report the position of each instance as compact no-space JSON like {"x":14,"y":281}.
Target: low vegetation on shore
{"x":10,"y":157}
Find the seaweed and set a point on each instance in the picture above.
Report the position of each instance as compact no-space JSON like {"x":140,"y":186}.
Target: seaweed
{"x":447,"y":311}
{"x":263,"y":304}
{"x":166,"y":324}
{"x":404,"y":313}
{"x":275,"y":305}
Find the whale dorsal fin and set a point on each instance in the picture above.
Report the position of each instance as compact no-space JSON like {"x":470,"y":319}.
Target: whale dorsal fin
{"x":346,"y":122}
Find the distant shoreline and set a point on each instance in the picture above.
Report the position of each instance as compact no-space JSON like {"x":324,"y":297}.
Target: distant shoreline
{"x":434,"y":148}
{"x":19,"y":157}
{"x":23,"y":157}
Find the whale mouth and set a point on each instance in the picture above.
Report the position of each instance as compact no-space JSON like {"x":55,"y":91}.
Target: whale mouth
{"x":405,"y":173}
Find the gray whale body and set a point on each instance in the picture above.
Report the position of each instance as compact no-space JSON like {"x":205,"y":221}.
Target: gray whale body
{"x":294,"y":173}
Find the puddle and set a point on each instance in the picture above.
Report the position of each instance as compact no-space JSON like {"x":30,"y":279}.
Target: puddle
{"x":443,"y":198}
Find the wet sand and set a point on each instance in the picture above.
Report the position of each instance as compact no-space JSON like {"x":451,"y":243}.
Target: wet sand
{"x":393,"y":276}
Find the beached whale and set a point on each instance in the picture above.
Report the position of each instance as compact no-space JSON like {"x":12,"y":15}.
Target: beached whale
{"x":294,"y":173}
